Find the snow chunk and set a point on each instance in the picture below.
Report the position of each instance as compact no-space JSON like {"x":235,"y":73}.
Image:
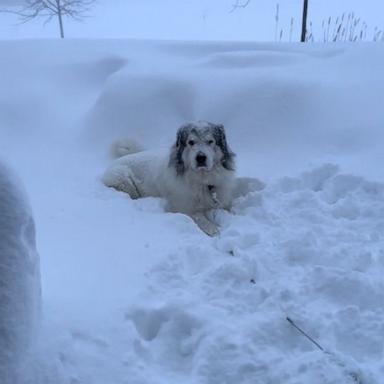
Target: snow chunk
{"x":19,"y":282}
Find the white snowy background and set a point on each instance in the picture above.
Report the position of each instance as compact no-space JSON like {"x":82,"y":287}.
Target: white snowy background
{"x":195,"y":19}
{"x":132,"y":294}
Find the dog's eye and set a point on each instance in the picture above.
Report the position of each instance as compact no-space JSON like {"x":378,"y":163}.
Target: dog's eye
{"x":191,"y":143}
{"x":210,"y":142}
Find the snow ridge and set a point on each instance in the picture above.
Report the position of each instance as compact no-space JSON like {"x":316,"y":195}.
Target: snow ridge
{"x":20,"y":296}
{"x":215,"y":310}
{"x":308,"y":246}
{"x":298,"y":248}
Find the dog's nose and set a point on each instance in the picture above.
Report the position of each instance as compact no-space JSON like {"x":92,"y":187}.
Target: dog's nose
{"x":201,"y":159}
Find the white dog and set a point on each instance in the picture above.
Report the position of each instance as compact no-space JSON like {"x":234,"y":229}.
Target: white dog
{"x":194,"y":178}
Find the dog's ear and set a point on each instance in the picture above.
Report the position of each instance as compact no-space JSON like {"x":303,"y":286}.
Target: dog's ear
{"x":228,"y":160}
{"x":176,"y":156}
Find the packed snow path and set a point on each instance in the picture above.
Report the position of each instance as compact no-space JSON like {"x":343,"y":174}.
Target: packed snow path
{"x":136,"y":295}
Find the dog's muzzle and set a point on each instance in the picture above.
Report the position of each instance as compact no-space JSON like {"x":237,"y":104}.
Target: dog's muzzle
{"x":201,"y":160}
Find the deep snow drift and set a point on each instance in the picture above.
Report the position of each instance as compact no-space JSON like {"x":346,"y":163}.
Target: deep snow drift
{"x":136,"y":295}
{"x":20,"y":298}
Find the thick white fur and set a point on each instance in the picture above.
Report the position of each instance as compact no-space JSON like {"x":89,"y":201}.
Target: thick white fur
{"x":147,"y":173}
{"x":194,"y":177}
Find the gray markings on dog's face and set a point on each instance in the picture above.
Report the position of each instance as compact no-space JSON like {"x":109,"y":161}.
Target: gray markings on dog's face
{"x":199,"y":147}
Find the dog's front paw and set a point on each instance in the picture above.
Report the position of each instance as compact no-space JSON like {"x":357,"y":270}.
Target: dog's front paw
{"x":211,"y":230}
{"x":206,"y":225}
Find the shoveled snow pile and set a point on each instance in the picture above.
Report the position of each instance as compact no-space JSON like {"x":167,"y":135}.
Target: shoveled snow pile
{"x":307,"y":247}
{"x":133,"y":294}
{"x":20,"y":296}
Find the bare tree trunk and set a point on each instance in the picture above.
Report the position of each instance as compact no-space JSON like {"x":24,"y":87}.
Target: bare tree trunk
{"x":55,"y":10}
{"x":304,"y":24}
{"x":60,"y":17}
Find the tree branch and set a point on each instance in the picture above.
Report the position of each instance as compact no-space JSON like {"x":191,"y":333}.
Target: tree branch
{"x":239,"y":4}
{"x":48,"y":9}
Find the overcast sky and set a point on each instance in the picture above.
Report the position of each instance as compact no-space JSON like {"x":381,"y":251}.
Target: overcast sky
{"x":193,"y":19}
{"x":10,"y":2}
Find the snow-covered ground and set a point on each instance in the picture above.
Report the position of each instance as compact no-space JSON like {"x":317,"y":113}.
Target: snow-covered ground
{"x":133,"y":294}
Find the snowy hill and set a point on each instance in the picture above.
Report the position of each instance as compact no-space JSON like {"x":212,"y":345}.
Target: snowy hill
{"x":134,"y":294}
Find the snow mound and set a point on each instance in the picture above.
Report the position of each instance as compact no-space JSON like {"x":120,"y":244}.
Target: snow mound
{"x":122,"y":108}
{"x":307,"y":247}
{"x":224,"y":318}
{"x":132,"y":293}
{"x":282,"y":102}
{"x":19,"y":284}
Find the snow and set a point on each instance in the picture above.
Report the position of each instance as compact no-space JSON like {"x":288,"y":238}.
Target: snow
{"x":20,"y":299}
{"x":134,"y":294}
{"x":195,"y":20}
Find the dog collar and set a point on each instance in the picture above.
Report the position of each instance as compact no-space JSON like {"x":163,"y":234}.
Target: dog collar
{"x":213,"y":194}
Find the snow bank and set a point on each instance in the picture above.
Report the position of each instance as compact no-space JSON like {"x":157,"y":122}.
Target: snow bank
{"x":298,"y":106}
{"x":19,"y":284}
{"x":299,"y":249}
{"x":132,"y":293}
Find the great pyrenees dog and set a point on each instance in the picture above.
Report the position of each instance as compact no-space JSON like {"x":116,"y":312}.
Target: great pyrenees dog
{"x":195,"y":177}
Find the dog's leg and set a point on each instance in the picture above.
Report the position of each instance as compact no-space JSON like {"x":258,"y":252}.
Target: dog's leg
{"x":122,"y":180}
{"x":206,"y":225}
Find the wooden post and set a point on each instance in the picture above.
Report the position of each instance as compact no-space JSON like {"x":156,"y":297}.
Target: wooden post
{"x":304,"y":24}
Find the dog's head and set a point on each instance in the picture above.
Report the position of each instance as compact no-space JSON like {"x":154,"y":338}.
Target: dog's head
{"x":200,"y":147}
